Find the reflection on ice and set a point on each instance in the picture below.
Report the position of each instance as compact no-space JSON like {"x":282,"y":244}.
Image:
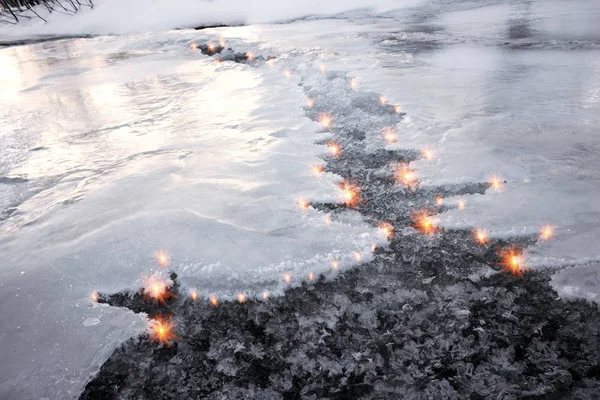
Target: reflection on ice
{"x":165,"y":150}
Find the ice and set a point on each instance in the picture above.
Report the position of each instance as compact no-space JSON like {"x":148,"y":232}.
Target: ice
{"x":115,"y":147}
{"x":148,"y":146}
{"x":488,"y":107}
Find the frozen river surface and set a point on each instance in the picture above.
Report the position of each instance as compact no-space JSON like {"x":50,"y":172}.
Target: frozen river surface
{"x":115,"y":147}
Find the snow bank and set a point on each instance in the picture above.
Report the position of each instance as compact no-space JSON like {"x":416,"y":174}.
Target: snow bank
{"x":119,"y":17}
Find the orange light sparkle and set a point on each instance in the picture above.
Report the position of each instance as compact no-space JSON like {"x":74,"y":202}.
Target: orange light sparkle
{"x":194,"y":294}
{"x":325,"y":120}
{"x":249,"y":56}
{"x":439,"y":200}
{"x":287,"y":277}
{"x":353,"y":83}
{"x":193,"y":46}
{"x":387,"y":229}
{"x":222,"y":42}
{"x":390,"y":135}
{"x":335,"y":265}
{"x":323,"y":68}
{"x":287,"y":73}
{"x":427,"y":153}
{"x":397,"y":109}
{"x":311,"y":276}
{"x":327,"y":220}
{"x":496,"y":182}
{"x":334,"y":149}
{"x":213,"y":301}
{"x":162,"y":258}
{"x":241,"y":298}
{"x":422,"y":221}
{"x":481,"y":236}
{"x":162,"y":330}
{"x":546,"y":232}
{"x":302,"y":203}
{"x":357,"y":256}
{"x":461,"y":204}
{"x":211,"y":47}
{"x":94,"y":296}
{"x":382,"y":100}
{"x":310,"y":103}
{"x":512,"y":262}
{"x":317,"y":169}
{"x":156,"y":286}
{"x":219,"y":61}
{"x":351,"y":193}
{"x":406,"y":176}
{"x":373,"y":247}
{"x":265,"y":295}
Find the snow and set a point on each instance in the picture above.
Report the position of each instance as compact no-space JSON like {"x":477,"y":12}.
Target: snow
{"x":121,"y":17}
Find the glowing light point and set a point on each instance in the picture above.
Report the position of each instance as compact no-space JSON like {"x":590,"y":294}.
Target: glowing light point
{"x":427,"y":153}
{"x":422,"y":221}
{"x":162,"y":330}
{"x":350,"y":193}
{"x":310,"y":103}
{"x":325,"y":120}
{"x":213,"y":301}
{"x":335,"y":265}
{"x":241,"y":298}
{"x":546,"y":232}
{"x":357,"y":256}
{"x":397,"y":109}
{"x":334,"y":149}
{"x":211,"y":47}
{"x":481,"y":236}
{"x":94,"y":296}
{"x":287,"y":73}
{"x":222,"y":42}
{"x":373,"y":248}
{"x":317,"y":169}
{"x":162,"y":258}
{"x":327,"y":220}
{"x":302,"y":203}
{"x":439,"y":201}
{"x":323,"y":68}
{"x":193,"y":46}
{"x":496,"y":182}
{"x":406,"y":175}
{"x":265,"y":295}
{"x":287,"y":278}
{"x":194,"y":294}
{"x":387,"y":229}
{"x":353,"y":83}
{"x":219,"y":61}
{"x":311,"y":276}
{"x":382,"y":100}
{"x":249,"y":56}
{"x":155,"y":287}
{"x":390,"y":135}
{"x":461,"y":204}
{"x":512,"y":263}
